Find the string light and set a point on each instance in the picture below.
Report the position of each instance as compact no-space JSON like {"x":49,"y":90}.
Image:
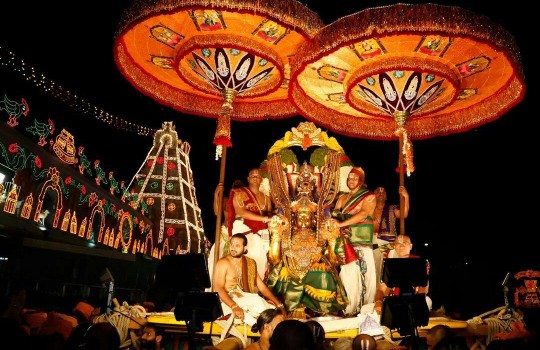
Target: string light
{"x":9,"y":60}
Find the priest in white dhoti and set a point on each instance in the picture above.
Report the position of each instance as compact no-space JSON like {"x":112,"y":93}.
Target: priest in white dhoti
{"x":354,"y":211}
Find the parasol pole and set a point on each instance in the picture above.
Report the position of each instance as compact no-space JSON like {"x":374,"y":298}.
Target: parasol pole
{"x":223,"y":140}
{"x":217,"y":239}
{"x":401,"y":118}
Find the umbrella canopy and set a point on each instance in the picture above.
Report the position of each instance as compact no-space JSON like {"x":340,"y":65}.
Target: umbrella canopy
{"x":407,"y":71}
{"x":206,"y":57}
{"x":446,"y":68}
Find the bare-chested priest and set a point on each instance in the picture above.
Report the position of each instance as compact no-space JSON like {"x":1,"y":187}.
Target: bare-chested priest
{"x":239,"y":285}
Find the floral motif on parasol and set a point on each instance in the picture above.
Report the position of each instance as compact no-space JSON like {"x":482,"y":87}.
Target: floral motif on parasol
{"x":407,"y":71}
{"x":206,"y":57}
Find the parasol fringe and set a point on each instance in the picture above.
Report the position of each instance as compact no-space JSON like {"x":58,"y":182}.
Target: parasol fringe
{"x":292,"y":13}
{"x":413,"y":18}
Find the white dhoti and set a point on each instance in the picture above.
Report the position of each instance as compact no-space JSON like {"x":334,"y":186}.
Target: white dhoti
{"x":252,"y":304}
{"x":359,"y":279}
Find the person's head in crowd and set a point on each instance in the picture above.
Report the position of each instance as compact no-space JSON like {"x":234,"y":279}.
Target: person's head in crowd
{"x":436,"y":333}
{"x":229,"y":343}
{"x":267,"y":322}
{"x":380,"y":193}
{"x":58,"y":323}
{"x":451,"y":342}
{"x":292,"y":334}
{"x":83,"y":312}
{"x":238,"y":244}
{"x":151,"y":338}
{"x":319,"y":335}
{"x":32,"y":320}
{"x":403,"y":246}
{"x":149,"y":306}
{"x":255,"y":177}
{"x":384,"y":344}
{"x":356,"y":179}
{"x":364,"y":342}
{"x":100,"y":336}
{"x":343,"y":343}
{"x":408,"y":343}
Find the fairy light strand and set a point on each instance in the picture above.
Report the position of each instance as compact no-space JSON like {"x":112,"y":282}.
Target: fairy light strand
{"x":9,"y":60}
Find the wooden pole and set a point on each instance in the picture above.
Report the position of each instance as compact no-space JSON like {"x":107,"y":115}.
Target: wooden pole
{"x":223,"y":132}
{"x":400,"y":118}
{"x":217,"y":238}
{"x":401,"y":183}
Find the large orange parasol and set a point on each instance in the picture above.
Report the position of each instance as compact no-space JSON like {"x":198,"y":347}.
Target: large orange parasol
{"x":407,"y":72}
{"x":224,"y":59}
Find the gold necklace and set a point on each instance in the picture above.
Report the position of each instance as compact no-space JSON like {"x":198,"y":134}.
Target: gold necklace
{"x":238,"y":274}
{"x":256,"y":197}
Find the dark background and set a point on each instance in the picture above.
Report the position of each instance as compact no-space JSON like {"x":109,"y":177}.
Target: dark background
{"x":473,"y":194}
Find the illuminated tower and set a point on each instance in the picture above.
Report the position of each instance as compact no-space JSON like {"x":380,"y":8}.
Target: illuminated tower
{"x":164,"y":189}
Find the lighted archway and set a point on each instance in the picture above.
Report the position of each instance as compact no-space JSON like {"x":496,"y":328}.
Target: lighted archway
{"x":148,"y":243}
{"x":51,"y":183}
{"x":98,"y":209}
{"x":125,"y":233}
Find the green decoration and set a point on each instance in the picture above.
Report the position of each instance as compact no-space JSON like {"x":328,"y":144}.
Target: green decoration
{"x":288,"y":156}
{"x":318,"y":156}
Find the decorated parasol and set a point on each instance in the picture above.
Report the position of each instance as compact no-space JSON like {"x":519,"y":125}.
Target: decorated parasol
{"x":223,"y":59}
{"x":406,"y":72}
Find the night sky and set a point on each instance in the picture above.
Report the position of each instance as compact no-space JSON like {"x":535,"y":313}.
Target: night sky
{"x":473,"y":197}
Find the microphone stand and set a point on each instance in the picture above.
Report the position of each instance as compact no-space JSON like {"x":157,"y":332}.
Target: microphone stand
{"x":505,"y":293}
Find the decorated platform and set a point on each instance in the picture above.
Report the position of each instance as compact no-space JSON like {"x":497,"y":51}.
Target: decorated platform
{"x":169,"y":324}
